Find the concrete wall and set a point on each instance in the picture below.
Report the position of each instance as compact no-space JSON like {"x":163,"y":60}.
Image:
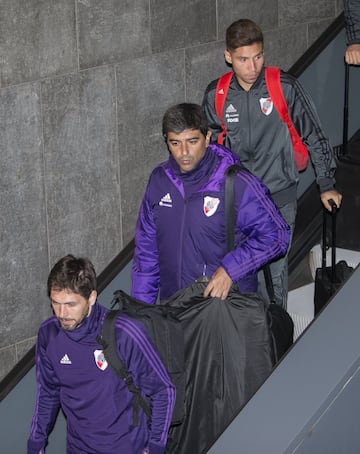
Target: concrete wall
{"x":83,"y":87}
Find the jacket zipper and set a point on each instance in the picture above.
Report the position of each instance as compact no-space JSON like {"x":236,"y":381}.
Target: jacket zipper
{"x":181,"y":243}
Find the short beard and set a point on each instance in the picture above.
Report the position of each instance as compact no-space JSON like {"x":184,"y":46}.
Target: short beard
{"x":84,"y":315}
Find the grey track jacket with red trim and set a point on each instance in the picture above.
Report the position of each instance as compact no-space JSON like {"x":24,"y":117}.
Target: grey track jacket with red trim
{"x":261,"y":139}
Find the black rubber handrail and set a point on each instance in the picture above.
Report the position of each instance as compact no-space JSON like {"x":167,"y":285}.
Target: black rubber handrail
{"x":124,"y":257}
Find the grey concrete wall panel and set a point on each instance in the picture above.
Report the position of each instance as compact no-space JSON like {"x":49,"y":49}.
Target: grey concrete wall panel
{"x":315,"y":29}
{"x":339,"y":6}
{"x":293,"y":11}
{"x":81,"y":163}
{"x":8,"y":360}
{"x":9,"y":356}
{"x":23,"y":236}
{"x":38,"y":39}
{"x":202,"y":65}
{"x":182,"y":24}
{"x":23,"y":347}
{"x":263,"y":12}
{"x":281,"y":49}
{"x":112,"y":30}
{"x":146,"y":87}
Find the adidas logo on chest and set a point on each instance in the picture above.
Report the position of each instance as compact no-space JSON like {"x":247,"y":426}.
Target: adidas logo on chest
{"x":65,"y":359}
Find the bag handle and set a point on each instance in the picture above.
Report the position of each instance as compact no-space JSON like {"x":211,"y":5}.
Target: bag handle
{"x":333,"y":240}
{"x":346,"y":111}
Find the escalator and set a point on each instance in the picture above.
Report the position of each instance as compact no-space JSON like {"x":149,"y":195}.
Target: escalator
{"x":321,"y":72}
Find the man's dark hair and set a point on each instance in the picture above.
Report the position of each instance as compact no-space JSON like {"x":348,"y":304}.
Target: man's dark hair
{"x":243,"y":32}
{"x":72,"y":273}
{"x":184,"y":116}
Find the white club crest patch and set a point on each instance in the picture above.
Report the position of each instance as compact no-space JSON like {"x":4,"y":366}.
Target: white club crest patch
{"x":266,"y":105}
{"x":100,"y":359}
{"x":210,"y":205}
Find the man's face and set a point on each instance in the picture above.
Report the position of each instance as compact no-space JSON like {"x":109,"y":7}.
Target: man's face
{"x":188,"y":147}
{"x":71,"y":308}
{"x":247,"y":63}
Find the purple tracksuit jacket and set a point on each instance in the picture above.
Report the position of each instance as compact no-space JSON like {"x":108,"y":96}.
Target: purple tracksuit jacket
{"x":181,"y":233}
{"x":72,"y":373}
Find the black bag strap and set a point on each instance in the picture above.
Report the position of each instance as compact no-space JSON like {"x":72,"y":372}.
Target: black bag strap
{"x":108,"y":341}
{"x":230,"y":175}
{"x":269,"y":284}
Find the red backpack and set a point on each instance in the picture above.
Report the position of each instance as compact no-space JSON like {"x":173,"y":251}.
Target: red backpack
{"x":272,"y":78}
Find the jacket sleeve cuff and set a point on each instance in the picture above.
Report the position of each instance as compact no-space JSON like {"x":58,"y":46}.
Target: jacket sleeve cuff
{"x":226,"y":263}
{"x":326,"y":184}
{"x":34,"y":447}
{"x":156,"y":449}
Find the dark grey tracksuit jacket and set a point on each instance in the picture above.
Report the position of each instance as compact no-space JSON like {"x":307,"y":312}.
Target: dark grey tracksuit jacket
{"x":262,"y":139}
{"x":352,"y":21}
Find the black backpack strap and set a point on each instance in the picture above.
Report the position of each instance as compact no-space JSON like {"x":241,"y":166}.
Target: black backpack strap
{"x":231,"y":173}
{"x":269,"y":284}
{"x":108,"y":341}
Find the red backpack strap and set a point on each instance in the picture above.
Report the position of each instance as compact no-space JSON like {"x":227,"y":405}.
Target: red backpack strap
{"x":222,"y":88}
{"x":272,"y":79}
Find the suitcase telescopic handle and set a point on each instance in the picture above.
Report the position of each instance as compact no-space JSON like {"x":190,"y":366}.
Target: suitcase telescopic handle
{"x":346,"y":111}
{"x":333,"y":239}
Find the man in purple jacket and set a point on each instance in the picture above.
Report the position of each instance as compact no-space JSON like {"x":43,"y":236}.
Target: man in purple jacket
{"x":181,"y":228}
{"x":73,"y":374}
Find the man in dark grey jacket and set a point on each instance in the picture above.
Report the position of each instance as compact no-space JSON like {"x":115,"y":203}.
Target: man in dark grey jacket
{"x":352,"y":28}
{"x":259,"y":136}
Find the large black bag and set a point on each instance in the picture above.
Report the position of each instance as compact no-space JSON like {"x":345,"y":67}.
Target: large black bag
{"x":329,"y":278}
{"x":167,"y":335}
{"x":280,"y":322}
{"x":228,"y":356}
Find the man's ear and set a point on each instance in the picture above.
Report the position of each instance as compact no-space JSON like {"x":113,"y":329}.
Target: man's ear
{"x":227,"y":56}
{"x":92,"y":297}
{"x":207,"y":138}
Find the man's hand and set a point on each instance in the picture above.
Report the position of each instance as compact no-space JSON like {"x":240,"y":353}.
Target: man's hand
{"x":333,"y":194}
{"x":352,"y":54}
{"x":219,"y":284}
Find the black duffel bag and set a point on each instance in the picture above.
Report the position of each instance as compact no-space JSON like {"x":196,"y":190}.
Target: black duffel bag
{"x":280,"y":322}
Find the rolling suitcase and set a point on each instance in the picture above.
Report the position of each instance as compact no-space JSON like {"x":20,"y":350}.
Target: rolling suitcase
{"x":329,"y":278}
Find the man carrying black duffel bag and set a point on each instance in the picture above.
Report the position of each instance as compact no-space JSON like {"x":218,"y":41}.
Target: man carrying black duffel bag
{"x":180,"y":232}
